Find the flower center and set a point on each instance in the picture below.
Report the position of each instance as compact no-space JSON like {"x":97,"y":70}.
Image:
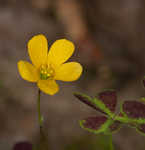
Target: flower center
{"x":46,"y":72}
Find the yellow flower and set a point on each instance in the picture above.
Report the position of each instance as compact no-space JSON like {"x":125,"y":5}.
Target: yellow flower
{"x":49,"y":66}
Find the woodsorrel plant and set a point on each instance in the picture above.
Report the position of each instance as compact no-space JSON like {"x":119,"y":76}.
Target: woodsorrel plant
{"x":49,"y":66}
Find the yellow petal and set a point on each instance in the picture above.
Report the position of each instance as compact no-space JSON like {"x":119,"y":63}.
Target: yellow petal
{"x":28,"y":71}
{"x":60,"y":51}
{"x":37,"y":48}
{"x":69,"y":71}
{"x":48,"y":86}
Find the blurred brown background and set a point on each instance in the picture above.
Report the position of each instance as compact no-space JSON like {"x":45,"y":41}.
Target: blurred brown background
{"x":110,"y":44}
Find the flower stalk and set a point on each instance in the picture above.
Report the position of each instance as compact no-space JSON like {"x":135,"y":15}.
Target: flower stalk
{"x":40,"y":117}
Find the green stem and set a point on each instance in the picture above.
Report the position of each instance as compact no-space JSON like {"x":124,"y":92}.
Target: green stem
{"x":111,"y":142}
{"x":40,"y":117}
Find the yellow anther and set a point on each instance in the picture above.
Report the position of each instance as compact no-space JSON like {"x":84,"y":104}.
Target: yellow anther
{"x":48,"y":75}
{"x":45,"y":71}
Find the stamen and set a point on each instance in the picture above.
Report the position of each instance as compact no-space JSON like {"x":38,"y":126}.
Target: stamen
{"x":46,"y":72}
